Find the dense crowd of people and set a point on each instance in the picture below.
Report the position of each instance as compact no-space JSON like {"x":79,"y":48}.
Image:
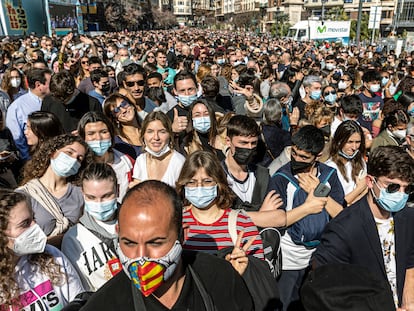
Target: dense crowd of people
{"x":142,"y":170}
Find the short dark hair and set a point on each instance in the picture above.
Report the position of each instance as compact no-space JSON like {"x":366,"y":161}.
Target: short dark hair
{"x":62,"y":84}
{"x":94,"y":60}
{"x":184,"y":75}
{"x":150,"y":190}
{"x":93,"y":117}
{"x":240,"y":125}
{"x":97,"y":74}
{"x":371,"y":75}
{"x":391,"y":162}
{"x":309,"y":139}
{"x":37,"y":75}
{"x":210,"y":86}
{"x":133,"y":69}
{"x":351,"y":104}
{"x":155,"y":75}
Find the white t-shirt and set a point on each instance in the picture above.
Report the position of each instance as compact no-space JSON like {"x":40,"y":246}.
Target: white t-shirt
{"x":386,"y":234}
{"x":95,"y":262}
{"x":122,"y":166}
{"x":244,"y":190}
{"x":171,"y":174}
{"x":37,"y":292}
{"x":349,"y":185}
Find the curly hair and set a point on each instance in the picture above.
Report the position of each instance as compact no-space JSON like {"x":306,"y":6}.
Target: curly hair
{"x":45,"y":262}
{"x":211,"y":164}
{"x":40,"y":161}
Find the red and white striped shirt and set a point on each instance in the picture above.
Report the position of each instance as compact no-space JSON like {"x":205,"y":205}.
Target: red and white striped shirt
{"x":211,"y":238}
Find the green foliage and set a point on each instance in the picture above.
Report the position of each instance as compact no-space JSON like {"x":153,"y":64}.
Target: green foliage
{"x":365,"y":32}
{"x":337,"y":13}
{"x":281,"y":26}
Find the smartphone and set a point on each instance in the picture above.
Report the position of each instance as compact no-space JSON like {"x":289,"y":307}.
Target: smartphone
{"x":322,"y":191}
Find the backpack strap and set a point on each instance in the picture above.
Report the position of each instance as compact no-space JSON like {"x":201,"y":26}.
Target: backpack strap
{"x":232,"y":224}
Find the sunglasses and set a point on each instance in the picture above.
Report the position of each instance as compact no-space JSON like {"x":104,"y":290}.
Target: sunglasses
{"x":331,"y":92}
{"x":117,"y":109}
{"x":84,"y":62}
{"x":150,"y":56}
{"x":344,"y":80}
{"x":392,"y":188}
{"x":132,"y":83}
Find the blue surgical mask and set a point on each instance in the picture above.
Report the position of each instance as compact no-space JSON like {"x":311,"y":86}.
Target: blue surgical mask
{"x":201,"y":197}
{"x":101,"y":210}
{"x":187,"y":100}
{"x":375,"y":88}
{"x":64,"y":165}
{"x":391,"y":202}
{"x":202,"y":124}
{"x":316,"y":95}
{"x":411,"y":112}
{"x":99,"y":147}
{"x":384,"y":81}
{"x":221,"y":61}
{"x":331,"y":98}
{"x":346,"y":156}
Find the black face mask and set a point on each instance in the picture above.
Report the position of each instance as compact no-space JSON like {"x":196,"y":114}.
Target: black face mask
{"x":299,"y":167}
{"x":326,"y":130}
{"x":106,"y":88}
{"x":243,"y":156}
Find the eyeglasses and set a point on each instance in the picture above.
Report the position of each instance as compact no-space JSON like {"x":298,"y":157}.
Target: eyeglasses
{"x":329,"y":92}
{"x":204,"y":183}
{"x":132,"y":83}
{"x":123,"y":105}
{"x":392,"y":188}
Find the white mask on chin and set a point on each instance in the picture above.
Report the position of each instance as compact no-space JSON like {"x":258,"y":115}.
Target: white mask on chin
{"x":160,"y":153}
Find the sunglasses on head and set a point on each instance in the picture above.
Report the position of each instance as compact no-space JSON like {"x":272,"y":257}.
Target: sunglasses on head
{"x":392,"y":188}
{"x":329,"y":92}
{"x":123,"y":105}
{"x":132,"y":83}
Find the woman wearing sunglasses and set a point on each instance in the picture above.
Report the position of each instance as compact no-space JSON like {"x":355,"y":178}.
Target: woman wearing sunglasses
{"x":122,"y":113}
{"x":330,"y":97}
{"x":347,"y":151}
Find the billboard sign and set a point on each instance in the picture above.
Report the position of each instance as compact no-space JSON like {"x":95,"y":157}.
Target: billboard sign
{"x":20,"y":17}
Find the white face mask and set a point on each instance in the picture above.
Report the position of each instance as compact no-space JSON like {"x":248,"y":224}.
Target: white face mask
{"x":15,"y":82}
{"x":160,"y":153}
{"x":342,"y":85}
{"x":31,"y":241}
{"x":400,"y":134}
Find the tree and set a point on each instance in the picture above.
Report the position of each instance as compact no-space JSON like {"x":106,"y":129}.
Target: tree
{"x":164,"y":19}
{"x":365,"y":32}
{"x":114,"y":14}
{"x":337,"y":13}
{"x":281,"y":26}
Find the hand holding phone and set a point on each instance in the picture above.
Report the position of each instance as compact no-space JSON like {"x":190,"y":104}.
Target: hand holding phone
{"x":322,"y":191}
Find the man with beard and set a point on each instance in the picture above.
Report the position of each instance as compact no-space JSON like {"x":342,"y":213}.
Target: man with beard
{"x":134,"y":85}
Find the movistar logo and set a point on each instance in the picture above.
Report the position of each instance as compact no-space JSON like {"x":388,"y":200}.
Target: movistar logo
{"x":322,"y":29}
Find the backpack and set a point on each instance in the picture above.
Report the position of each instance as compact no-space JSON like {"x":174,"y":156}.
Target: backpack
{"x":271,"y":242}
{"x":308,"y":230}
